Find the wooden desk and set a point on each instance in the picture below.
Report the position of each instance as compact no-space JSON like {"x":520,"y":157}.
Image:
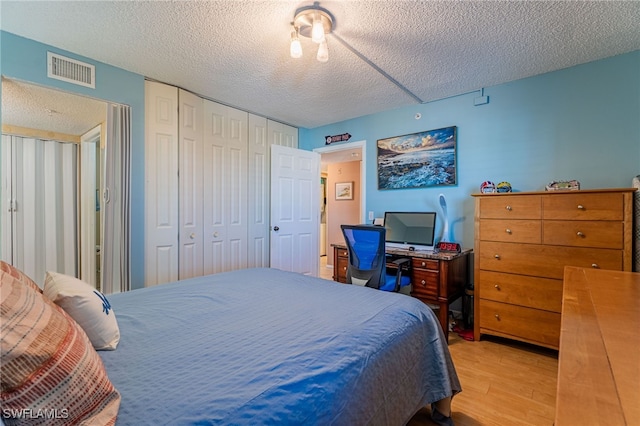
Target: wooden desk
{"x":599,"y":357}
{"x":436,"y":278}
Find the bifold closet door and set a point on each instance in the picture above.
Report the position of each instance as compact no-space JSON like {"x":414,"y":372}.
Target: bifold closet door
{"x":225,"y":188}
{"x":161,"y":183}
{"x":258,"y":193}
{"x":190,"y":132}
{"x":39,"y":222}
{"x":282,"y":134}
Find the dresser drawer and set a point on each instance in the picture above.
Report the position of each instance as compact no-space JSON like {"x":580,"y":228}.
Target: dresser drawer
{"x":417,"y":263}
{"x":583,"y":233}
{"x":527,"y":324}
{"x":424,"y":283}
{"x":584,"y":206}
{"x":510,"y":230}
{"x":510,"y":207}
{"x":533,"y":292}
{"x":341,"y":268}
{"x":543,"y":260}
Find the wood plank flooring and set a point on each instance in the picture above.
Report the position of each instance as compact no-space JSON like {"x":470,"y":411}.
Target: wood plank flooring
{"x":503,"y":382}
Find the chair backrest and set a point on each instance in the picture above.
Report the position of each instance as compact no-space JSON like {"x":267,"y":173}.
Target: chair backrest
{"x":365,"y":244}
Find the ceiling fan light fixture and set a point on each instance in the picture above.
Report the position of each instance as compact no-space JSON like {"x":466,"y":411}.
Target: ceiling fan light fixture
{"x":313,"y":22}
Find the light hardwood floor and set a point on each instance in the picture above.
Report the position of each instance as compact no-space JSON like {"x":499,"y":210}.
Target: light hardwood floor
{"x":503,"y":382}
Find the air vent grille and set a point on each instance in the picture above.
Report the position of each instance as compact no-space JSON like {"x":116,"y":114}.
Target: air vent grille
{"x":70,"y":70}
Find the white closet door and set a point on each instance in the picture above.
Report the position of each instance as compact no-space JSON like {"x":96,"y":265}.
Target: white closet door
{"x":191,"y":116}
{"x":289,"y":136}
{"x":161,"y":189}
{"x":282,"y":134}
{"x":258,"y":191}
{"x":6,"y":200}
{"x":225,"y":188}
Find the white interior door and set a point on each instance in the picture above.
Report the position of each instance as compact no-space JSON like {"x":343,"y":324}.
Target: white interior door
{"x":295,"y":210}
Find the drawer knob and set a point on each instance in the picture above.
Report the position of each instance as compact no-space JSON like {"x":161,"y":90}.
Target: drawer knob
{"x":497,"y":287}
{"x":497,"y":317}
{"x":580,"y":207}
{"x":580,"y":234}
{"x":344,"y":268}
{"x":497,"y":256}
{"x":595,"y":266}
{"x":423,"y":282}
{"x":423,"y":264}
{"x":508,"y":231}
{"x":193,"y":235}
{"x":508,"y":208}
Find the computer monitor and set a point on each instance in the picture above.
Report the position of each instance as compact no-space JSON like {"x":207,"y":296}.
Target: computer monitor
{"x":410,"y":230}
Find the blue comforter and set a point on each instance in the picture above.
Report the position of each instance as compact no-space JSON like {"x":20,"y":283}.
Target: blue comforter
{"x":263,"y":346}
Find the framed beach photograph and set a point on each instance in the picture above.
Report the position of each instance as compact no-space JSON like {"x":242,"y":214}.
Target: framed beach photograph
{"x":344,"y":191}
{"x":418,"y":160}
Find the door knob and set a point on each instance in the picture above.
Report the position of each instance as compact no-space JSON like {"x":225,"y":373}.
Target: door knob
{"x":275,"y":228}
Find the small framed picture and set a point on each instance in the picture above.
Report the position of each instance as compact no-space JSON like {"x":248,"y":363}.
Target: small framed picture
{"x":344,"y":191}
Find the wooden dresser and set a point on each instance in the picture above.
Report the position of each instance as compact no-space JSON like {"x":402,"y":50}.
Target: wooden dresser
{"x":524,"y":240}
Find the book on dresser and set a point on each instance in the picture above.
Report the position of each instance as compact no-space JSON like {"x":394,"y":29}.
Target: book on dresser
{"x":524,"y":240}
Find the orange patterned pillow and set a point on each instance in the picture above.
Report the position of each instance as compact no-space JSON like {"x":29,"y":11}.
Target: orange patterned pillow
{"x":50,"y":372}
{"x":19,"y":275}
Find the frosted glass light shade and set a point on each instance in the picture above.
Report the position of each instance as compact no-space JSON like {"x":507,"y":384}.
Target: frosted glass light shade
{"x":323,"y":52}
{"x":317,"y":30}
{"x":296,"y":48}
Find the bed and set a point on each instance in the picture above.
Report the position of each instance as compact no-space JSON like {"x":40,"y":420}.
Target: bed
{"x":264,"y":346}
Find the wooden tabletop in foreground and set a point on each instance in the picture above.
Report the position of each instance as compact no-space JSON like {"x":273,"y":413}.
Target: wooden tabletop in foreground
{"x":599,"y":356}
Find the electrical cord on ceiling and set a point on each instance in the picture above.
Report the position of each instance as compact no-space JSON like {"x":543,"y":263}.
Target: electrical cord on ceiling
{"x":377,"y":68}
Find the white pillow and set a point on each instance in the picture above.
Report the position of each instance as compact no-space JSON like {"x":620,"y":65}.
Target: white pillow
{"x":87,"y":306}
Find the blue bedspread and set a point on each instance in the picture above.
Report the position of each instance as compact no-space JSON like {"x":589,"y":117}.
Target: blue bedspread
{"x":263,"y":346}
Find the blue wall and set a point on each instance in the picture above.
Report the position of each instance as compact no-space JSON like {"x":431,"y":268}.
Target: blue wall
{"x":26,"y":60}
{"x":578,"y":123}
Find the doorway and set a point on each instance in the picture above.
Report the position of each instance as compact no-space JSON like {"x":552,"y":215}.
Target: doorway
{"x":43,"y":114}
{"x":90,"y":188}
{"x":340,"y":164}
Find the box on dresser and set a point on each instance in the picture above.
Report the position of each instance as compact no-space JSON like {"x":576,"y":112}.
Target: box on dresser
{"x":524,"y":240}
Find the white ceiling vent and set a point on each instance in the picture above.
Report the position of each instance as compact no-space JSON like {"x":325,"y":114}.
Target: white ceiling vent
{"x":70,"y":70}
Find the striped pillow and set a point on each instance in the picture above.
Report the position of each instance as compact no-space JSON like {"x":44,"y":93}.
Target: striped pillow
{"x":50,"y":372}
{"x":16,"y":273}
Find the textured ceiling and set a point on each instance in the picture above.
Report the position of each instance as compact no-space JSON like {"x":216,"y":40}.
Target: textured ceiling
{"x":237,"y":52}
{"x":34,"y":107}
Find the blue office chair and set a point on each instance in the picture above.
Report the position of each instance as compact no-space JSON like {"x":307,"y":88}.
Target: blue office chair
{"x":367,"y":260}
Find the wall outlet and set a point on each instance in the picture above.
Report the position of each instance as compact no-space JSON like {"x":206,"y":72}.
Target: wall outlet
{"x":370,"y":215}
